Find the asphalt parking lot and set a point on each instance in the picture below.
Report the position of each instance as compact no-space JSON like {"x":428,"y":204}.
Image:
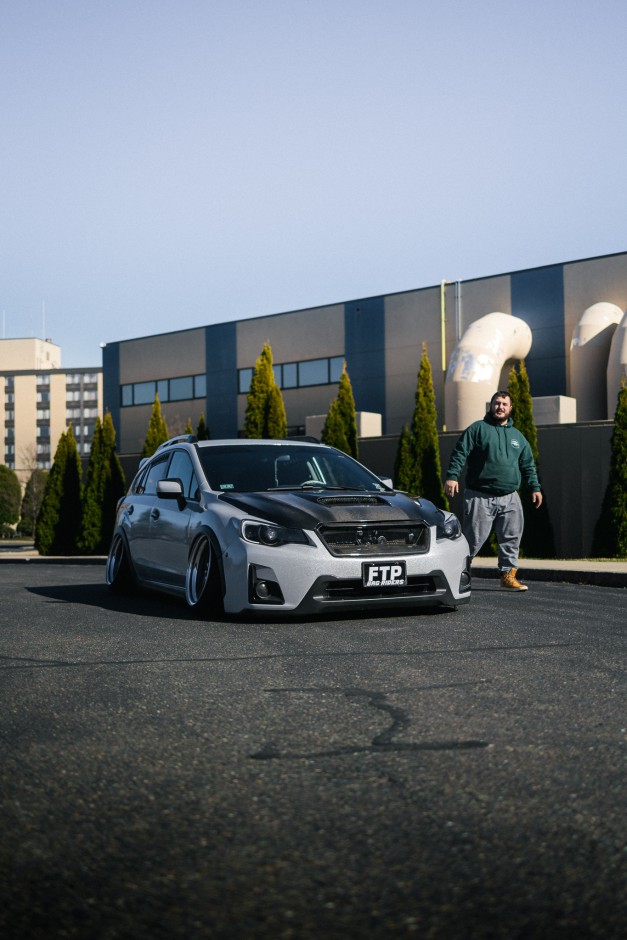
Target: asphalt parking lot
{"x":450,"y":775}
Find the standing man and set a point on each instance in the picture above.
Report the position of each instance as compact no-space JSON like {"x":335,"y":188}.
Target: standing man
{"x":498,"y":457}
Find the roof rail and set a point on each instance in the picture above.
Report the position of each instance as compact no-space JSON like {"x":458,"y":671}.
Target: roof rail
{"x":180,"y":439}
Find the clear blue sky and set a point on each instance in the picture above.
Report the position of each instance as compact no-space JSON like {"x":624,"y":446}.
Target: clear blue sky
{"x":170,"y":163}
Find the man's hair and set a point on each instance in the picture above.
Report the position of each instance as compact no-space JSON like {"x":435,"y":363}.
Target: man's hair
{"x":502,"y":393}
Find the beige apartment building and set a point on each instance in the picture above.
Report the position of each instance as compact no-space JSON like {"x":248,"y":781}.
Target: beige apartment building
{"x":39,"y":400}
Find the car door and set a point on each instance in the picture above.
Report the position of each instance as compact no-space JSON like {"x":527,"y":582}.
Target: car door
{"x":139,"y":522}
{"x":170,"y":522}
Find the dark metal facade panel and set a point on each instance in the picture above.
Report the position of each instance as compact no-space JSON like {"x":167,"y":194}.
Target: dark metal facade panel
{"x":221,"y":367}
{"x":111,"y":384}
{"x":364,"y":333}
{"x":538,"y":299}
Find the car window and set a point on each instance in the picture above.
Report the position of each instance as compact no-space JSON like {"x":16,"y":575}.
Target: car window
{"x":181,"y":468}
{"x":140,"y":480}
{"x":156,"y":471}
{"x":256,"y":467}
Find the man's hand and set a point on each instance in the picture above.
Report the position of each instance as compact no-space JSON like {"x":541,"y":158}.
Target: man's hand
{"x":536,"y":499}
{"x":451,"y":488}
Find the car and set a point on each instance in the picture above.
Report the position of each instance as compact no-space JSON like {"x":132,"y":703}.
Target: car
{"x":282,"y":527}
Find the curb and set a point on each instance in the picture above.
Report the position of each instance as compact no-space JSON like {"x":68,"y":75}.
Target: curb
{"x":617,"y":579}
{"x":597,"y":576}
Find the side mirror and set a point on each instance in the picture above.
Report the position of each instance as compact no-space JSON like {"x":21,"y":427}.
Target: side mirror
{"x":170,"y":489}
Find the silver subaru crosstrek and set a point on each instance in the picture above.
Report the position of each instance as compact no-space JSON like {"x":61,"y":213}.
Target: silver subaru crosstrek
{"x":282,"y":527}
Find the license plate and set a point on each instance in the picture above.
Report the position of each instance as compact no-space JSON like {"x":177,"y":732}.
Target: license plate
{"x":390,"y":574}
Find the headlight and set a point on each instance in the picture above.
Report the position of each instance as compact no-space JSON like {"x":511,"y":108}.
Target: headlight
{"x":267,"y":534}
{"x":449,"y":529}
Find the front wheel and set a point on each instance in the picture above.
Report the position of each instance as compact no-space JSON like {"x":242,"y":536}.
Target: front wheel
{"x":202,"y":581}
{"x":118,"y":573}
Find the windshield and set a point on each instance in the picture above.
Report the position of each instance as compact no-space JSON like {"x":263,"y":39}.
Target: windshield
{"x":255,"y":467}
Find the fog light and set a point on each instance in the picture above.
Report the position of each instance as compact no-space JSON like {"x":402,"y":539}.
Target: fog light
{"x":464,"y":582}
{"x":262,"y":587}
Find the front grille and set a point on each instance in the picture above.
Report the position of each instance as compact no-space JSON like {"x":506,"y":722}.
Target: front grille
{"x":352,"y":588}
{"x":369,"y":540}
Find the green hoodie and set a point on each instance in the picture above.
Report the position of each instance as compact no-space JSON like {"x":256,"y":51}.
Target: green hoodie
{"x":498,"y":456}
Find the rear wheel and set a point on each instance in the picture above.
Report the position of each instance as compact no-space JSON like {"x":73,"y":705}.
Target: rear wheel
{"x":202,"y":580}
{"x":118,"y":573}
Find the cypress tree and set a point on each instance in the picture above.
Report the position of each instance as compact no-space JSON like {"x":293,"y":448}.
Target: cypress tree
{"x":425,"y":435}
{"x":10,"y":496}
{"x":265,"y":411}
{"x":418,"y":466}
{"x":202,"y":431}
{"x":276,"y":420}
{"x":346,"y":405}
{"x":334,"y":430}
{"x":91,"y":522}
{"x":114,"y":483}
{"x":104,"y":486}
{"x":31,"y":504}
{"x":188,"y":427}
{"x":340,"y":426}
{"x":59,"y":520}
{"x":405,"y":465}
{"x":538,"y":540}
{"x":610,"y":534}
{"x":157,"y":433}
{"x":256,"y":403}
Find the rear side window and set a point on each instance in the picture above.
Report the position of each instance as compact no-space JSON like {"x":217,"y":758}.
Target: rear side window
{"x":156,"y":472}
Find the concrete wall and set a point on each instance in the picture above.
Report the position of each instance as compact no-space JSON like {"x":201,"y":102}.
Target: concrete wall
{"x":574,"y":470}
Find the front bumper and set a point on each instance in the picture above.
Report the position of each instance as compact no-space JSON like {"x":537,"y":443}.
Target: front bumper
{"x":349,"y":594}
{"x":307,"y":579}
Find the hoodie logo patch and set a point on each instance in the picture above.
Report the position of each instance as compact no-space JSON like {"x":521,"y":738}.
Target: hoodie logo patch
{"x":515,"y":443}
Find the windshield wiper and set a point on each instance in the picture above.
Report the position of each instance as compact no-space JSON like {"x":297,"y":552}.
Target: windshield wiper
{"x":316,"y":485}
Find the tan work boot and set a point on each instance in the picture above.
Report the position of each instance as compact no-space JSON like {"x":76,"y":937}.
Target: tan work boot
{"x":509,"y":581}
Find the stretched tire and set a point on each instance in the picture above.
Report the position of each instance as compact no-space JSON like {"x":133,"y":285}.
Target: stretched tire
{"x":118,"y":572}
{"x":202,"y":578}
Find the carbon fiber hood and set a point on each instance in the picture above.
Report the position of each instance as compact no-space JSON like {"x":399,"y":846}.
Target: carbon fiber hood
{"x":307,"y":510}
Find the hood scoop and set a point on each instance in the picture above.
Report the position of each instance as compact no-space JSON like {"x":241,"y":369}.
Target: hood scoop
{"x":351,"y":501}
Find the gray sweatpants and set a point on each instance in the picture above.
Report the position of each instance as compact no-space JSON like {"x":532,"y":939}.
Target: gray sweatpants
{"x":505,"y":513}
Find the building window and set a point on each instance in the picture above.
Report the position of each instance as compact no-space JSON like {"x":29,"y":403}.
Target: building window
{"x":143,"y":393}
{"x":289,"y":379}
{"x":180,"y":388}
{"x":298,"y":374}
{"x":200,"y":386}
{"x":245,"y":378}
